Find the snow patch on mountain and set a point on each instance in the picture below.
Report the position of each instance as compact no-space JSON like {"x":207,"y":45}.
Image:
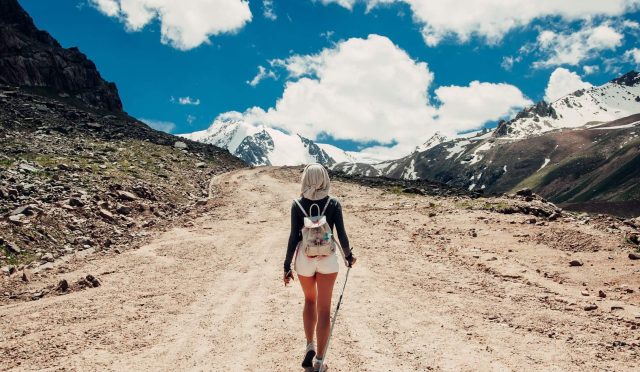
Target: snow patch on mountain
{"x":610,"y":101}
{"x":262,"y":145}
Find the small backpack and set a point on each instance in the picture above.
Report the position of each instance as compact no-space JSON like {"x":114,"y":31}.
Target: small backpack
{"x":317,"y":237}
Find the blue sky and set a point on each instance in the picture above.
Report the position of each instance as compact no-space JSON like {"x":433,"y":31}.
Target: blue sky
{"x":215,"y":74}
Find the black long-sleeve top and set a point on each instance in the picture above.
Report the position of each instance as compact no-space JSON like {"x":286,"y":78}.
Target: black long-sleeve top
{"x":334,"y":218}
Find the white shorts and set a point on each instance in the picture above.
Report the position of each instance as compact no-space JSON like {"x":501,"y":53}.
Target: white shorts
{"x":308,"y":266}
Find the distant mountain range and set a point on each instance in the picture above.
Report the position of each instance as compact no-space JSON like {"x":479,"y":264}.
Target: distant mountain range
{"x":581,"y":149}
{"x":262,"y":145}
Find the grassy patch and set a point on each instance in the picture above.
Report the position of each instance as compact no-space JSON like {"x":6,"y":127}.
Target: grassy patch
{"x":6,"y":162}
{"x":17,"y":259}
{"x":485,"y":205}
{"x":397,"y":190}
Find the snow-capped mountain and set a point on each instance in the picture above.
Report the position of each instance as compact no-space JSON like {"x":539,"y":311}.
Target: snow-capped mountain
{"x":613,"y":100}
{"x":435,"y":140}
{"x":262,"y":145}
{"x":580,"y":148}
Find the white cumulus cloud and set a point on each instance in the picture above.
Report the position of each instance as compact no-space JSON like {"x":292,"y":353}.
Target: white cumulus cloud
{"x":267,"y":10}
{"x":466,"y":108}
{"x":575,"y":47}
{"x":371,"y":90}
{"x":262,"y":74}
{"x":633,"y":56}
{"x":492,"y":19}
{"x":185,"y":101}
{"x":563,"y":82}
{"x":164,"y":126}
{"x":184,"y":24}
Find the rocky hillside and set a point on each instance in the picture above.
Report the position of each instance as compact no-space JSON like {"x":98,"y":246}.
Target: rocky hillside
{"x":76,"y":179}
{"x":264,"y":145}
{"x":32,"y":58}
{"x":594,"y":166}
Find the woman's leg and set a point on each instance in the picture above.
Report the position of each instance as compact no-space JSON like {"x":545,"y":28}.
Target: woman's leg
{"x":325,"y":290}
{"x":309,"y":315}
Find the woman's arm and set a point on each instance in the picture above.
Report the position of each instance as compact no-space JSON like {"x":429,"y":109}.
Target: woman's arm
{"x":342,"y":233}
{"x":294,"y":236}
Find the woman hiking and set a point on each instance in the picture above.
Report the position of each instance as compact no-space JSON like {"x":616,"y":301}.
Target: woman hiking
{"x":313,"y":218}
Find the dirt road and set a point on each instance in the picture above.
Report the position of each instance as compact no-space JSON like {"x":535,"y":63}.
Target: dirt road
{"x":459,"y":290}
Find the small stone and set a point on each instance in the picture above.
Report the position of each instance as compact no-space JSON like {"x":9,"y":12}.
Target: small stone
{"x":584,"y":293}
{"x":17,"y":219}
{"x":75,"y":202}
{"x":123,"y":209}
{"x":575,"y":263}
{"x":201,"y":165}
{"x":601,"y":294}
{"x":125,"y":195}
{"x":105,"y":214}
{"x":93,"y":280}
{"x":27,"y":168}
{"x":24,"y":210}
{"x":12,"y":247}
{"x":616,"y":307}
{"x":590,"y":307}
{"x":26,"y":276}
{"x":48,"y":257}
{"x":201,"y":202}
{"x":63,"y":285}
{"x":180,"y":145}
{"x":634,"y":256}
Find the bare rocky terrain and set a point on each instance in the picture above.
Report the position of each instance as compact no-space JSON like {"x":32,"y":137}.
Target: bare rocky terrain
{"x":75,"y":181}
{"x":443,"y":283}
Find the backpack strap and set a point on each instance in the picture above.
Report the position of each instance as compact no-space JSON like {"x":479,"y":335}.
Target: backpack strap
{"x":325,"y":206}
{"x":302,"y":209}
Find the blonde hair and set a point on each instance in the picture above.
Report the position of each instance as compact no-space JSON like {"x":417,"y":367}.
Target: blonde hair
{"x":315,"y":183}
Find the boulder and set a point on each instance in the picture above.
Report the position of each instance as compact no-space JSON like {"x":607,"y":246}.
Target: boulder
{"x":576,"y":263}
{"x":180,"y":145}
{"x":524,"y":192}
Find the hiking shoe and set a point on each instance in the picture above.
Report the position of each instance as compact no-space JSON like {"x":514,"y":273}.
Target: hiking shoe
{"x":308,"y":359}
{"x":319,"y":366}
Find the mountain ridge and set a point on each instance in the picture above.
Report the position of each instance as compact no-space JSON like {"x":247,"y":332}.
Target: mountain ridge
{"x":262,"y":145}
{"x":32,"y":58}
{"x":557,"y":153}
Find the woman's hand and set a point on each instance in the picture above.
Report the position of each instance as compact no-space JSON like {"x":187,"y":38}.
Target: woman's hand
{"x":288,"y":276}
{"x":351,"y":260}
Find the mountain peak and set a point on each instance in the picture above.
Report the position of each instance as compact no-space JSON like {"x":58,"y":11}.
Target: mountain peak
{"x":630,"y":79}
{"x":33,"y":59}
{"x":433,"y":141}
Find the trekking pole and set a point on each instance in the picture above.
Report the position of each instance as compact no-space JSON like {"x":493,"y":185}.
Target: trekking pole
{"x":335,"y":316}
